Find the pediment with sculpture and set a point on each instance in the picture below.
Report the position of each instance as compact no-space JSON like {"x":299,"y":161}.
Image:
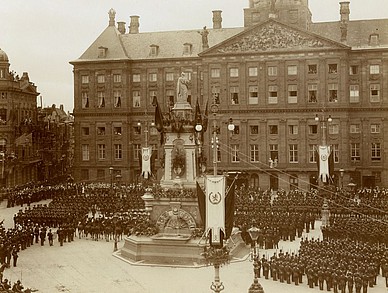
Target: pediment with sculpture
{"x":273,"y":36}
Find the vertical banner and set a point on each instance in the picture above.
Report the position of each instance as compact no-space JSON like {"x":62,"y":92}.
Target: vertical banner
{"x":146,"y":162}
{"x":324,"y":153}
{"x":215,"y":207}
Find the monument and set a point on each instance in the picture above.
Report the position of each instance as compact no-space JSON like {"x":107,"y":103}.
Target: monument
{"x":176,"y":216}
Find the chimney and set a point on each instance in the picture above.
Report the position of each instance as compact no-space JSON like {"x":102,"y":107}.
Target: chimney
{"x":217,"y":19}
{"x":61,"y":107}
{"x":134,"y":25}
{"x":112,"y":14}
{"x":344,"y":11}
{"x":121,"y":27}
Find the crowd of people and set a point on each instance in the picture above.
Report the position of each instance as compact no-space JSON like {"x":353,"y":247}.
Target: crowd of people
{"x":358,"y":226}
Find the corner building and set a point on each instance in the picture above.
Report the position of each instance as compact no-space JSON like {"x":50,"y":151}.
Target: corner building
{"x":279,"y":78}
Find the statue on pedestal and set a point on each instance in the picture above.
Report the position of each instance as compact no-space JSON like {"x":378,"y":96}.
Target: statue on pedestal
{"x":182,"y":88}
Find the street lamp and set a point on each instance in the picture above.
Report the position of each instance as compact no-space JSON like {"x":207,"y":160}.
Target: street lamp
{"x":111,"y":178}
{"x":342,"y":171}
{"x":323,"y":121}
{"x":255,"y":287}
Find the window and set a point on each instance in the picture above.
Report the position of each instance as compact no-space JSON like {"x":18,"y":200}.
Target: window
{"x":335,"y":150}
{"x":312,"y":154}
{"x":313,"y":129}
{"x":312,"y":69}
{"x":85,"y":152}
{"x":355,"y":152}
{"x":101,"y":151}
{"x":85,"y":100}
{"x":353,"y":69}
{"x":312,"y":93}
{"x":355,"y":128}
{"x":136,"y":151}
{"x":153,"y":95}
{"x":155,"y":150}
{"x":170,"y":98}
{"x":252,"y":71}
{"x":137,"y":129}
{"x":100,"y":78}
{"x":85,"y":174}
{"x":233,"y":72}
{"x":102,"y":52}
{"x":153,"y":130}
{"x":272,"y":71}
{"x":254,"y":129}
{"x":235,"y":153}
{"x":216,"y":94}
{"x":333,"y":128}
{"x":377,"y":175}
{"x":116,"y":78}
{"x":293,"y":153}
{"x":218,"y":155}
{"x":333,"y":92}
{"x":333,"y":68}
{"x":272,"y":94}
{"x":374,"y":69}
{"x":118,"y":151}
{"x":292,"y":93}
{"x":253,"y":95}
{"x":234,"y":95}
{"x":236,"y":129}
{"x":101,"y":99}
{"x":136,"y":99}
{"x":187,"y":49}
{"x":292,"y":70}
{"x":254,"y":152}
{"x":215,"y":72}
{"x":85,"y":79}
{"x":117,"y":99}
{"x":375,"y":93}
{"x":169,"y":76}
{"x":85,"y":130}
{"x":101,"y":174}
{"x":152,"y":77}
{"x":294,"y":181}
{"x":293,"y":129}
{"x":136,"y":77}
{"x":376,"y":151}
{"x":117,"y":130}
{"x":273,"y":152}
{"x":101,"y":130}
{"x":354,"y":93}
{"x":375,"y":128}
{"x":154,"y":50}
{"x":374,"y":40}
{"x":273,"y":129}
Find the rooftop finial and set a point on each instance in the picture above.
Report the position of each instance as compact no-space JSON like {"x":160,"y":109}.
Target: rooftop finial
{"x":112,"y":14}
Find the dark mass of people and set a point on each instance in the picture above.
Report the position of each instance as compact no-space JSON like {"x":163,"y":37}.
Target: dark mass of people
{"x":353,"y":249}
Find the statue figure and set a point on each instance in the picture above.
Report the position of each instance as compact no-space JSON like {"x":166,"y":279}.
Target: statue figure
{"x":204,"y":34}
{"x":182,"y":88}
{"x":273,"y":5}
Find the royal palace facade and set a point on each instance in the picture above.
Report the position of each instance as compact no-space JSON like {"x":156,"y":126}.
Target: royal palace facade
{"x":286,"y":83}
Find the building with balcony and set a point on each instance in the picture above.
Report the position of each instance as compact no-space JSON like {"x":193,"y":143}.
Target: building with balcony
{"x":273,"y":76}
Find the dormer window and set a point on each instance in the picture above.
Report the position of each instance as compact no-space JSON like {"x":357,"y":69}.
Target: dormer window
{"x":102,"y":52}
{"x":187,"y":49}
{"x":154,"y":50}
{"x":374,"y":40}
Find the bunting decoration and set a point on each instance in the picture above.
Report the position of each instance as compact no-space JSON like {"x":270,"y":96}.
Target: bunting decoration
{"x":215,"y":208}
{"x":158,"y":119}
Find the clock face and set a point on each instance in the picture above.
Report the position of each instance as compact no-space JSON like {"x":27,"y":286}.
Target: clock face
{"x":215,"y":198}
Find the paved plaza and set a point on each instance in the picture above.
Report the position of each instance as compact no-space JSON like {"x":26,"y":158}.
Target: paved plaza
{"x":86,"y":266}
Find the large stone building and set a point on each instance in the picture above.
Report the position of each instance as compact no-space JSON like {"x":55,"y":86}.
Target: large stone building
{"x":287,"y":83}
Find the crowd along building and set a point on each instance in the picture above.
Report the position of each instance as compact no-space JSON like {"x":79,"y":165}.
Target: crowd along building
{"x":287,"y":83}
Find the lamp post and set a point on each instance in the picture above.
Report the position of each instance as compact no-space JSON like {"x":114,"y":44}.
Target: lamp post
{"x":111,"y":179}
{"x":255,"y":287}
{"x":324,"y":126}
{"x":342,"y":171}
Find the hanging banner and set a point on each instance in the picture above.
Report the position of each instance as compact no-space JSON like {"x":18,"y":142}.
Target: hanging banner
{"x":324,"y":153}
{"x":215,"y":207}
{"x":146,"y":153}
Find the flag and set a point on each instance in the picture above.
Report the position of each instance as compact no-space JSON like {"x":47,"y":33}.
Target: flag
{"x":324,"y":153}
{"x":198,"y":116}
{"x":215,"y":207}
{"x":205,"y":118}
{"x":158,"y":117}
{"x":146,"y":162}
{"x":229,"y":210}
{"x":331,"y":164}
{"x":201,"y":203}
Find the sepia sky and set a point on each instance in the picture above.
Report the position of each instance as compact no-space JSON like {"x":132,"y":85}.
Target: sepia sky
{"x":42,"y":36}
